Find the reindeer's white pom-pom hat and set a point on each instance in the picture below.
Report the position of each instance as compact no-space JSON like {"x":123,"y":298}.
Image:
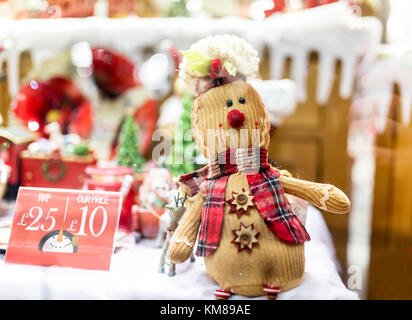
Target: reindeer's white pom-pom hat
{"x":218,"y":60}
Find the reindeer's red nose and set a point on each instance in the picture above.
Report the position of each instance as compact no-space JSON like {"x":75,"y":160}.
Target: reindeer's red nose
{"x":235,"y":118}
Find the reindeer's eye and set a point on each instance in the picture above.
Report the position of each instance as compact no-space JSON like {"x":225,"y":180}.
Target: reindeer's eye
{"x":229,"y":103}
{"x":242,"y":100}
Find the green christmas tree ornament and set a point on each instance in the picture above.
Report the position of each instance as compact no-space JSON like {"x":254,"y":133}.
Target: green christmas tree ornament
{"x":182,"y":157}
{"x":128,"y":152}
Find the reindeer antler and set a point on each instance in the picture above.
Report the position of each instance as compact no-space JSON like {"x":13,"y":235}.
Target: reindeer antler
{"x":177,"y":198}
{"x":183,"y":200}
{"x":180,"y":199}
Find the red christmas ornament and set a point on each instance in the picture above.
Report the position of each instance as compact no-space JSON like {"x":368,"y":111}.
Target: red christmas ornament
{"x":38,"y":100}
{"x":69,"y":98}
{"x":215,"y":68}
{"x":66,"y":91}
{"x":235,"y":118}
{"x":113,"y":72}
{"x":33,"y":102}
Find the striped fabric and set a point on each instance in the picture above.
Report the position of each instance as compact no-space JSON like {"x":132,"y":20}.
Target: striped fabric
{"x":212,"y":217}
{"x":273,"y":206}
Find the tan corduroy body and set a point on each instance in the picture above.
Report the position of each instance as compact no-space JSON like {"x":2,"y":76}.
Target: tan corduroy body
{"x":271,"y":263}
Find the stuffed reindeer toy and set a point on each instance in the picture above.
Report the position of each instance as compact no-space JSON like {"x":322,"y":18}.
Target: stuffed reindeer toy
{"x":251,"y":240}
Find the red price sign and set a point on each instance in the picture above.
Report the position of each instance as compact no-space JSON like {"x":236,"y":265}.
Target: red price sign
{"x":71,"y":228}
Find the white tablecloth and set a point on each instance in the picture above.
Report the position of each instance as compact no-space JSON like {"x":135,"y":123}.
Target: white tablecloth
{"x":134,"y":275}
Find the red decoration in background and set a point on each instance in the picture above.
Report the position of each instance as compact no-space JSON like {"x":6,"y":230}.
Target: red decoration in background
{"x":60,"y":100}
{"x":70,"y":8}
{"x":113,"y":72}
{"x":146,"y":116}
{"x":69,"y":98}
{"x":66,"y":91}
{"x":122,"y":8}
{"x":82,"y":120}
{"x":316,"y":3}
{"x":54,"y":171}
{"x":176,"y":56}
{"x":11,"y":156}
{"x":278,"y":6}
{"x":59,"y":9}
{"x":38,"y":100}
{"x":34,"y":101}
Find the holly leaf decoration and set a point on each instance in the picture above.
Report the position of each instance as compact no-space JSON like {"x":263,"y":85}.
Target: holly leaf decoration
{"x":198,"y":62}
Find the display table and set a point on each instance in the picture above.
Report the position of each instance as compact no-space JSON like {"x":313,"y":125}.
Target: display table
{"x":134,"y":275}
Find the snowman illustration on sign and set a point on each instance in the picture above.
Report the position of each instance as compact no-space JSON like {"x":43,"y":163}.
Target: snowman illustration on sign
{"x":59,"y":241}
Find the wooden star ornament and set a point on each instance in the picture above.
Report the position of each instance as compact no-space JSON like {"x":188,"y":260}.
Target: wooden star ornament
{"x":240,"y":203}
{"x":245,"y":237}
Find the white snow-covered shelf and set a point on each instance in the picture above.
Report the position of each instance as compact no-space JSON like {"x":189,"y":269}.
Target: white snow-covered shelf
{"x":133,"y":275}
{"x":389,"y":65}
{"x":333,"y":31}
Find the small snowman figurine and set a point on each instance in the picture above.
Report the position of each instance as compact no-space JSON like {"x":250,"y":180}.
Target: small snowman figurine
{"x":251,"y":239}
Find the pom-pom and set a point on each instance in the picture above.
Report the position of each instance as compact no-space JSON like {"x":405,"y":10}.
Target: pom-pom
{"x":236,"y":118}
{"x":215,"y":68}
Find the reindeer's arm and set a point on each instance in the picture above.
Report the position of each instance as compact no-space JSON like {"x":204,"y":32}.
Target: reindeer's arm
{"x":324,"y":196}
{"x":184,"y":237}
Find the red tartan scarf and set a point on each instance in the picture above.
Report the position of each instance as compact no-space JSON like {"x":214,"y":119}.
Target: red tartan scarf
{"x":268,"y":197}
